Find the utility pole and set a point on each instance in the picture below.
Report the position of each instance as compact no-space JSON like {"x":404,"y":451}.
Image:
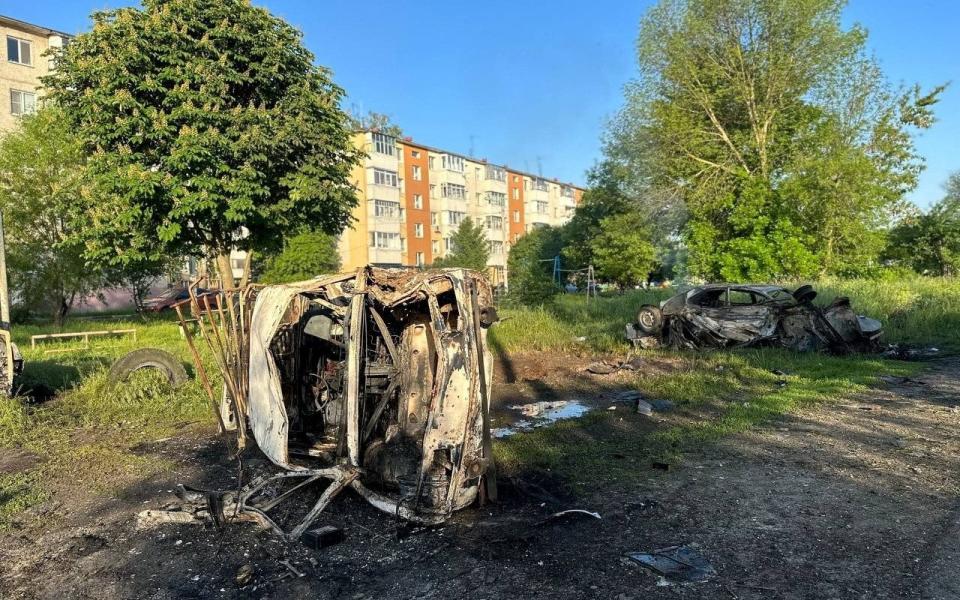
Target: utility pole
{"x":4,"y":292}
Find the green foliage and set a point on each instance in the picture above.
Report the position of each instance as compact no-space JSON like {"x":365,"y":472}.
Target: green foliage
{"x":930,"y":243}
{"x":305,"y":255}
{"x":776,"y":130}
{"x":530,"y":265}
{"x":375,"y":121}
{"x":471,"y":250}
{"x":210,"y":127}
{"x":622,"y":251}
{"x":604,"y":198}
{"x":41,"y":172}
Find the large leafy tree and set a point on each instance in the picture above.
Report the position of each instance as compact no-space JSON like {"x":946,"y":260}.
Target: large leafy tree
{"x":930,"y":242}
{"x":623,"y":252}
{"x":41,"y":174}
{"x":305,"y":255}
{"x":530,"y":265}
{"x":774,"y":127}
{"x":209,"y":128}
{"x":471,"y":250}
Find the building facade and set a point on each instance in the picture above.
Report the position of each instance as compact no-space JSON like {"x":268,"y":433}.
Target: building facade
{"x":22,"y":64}
{"x":413,"y":198}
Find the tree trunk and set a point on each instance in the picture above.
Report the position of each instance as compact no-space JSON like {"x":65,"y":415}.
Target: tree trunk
{"x":60,"y":315}
{"x":225,"y":271}
{"x":247,"y":261}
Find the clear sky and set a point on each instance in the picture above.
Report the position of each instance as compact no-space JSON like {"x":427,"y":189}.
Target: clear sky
{"x":530,"y":83}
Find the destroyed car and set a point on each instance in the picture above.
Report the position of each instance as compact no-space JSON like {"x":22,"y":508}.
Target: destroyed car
{"x":378,"y":381}
{"x":11,"y":363}
{"x":731,"y":315}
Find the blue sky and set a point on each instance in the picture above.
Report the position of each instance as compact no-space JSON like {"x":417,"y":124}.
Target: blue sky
{"x":531,"y":83}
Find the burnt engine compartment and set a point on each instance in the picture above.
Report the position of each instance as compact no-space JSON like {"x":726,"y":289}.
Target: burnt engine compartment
{"x":398,"y":371}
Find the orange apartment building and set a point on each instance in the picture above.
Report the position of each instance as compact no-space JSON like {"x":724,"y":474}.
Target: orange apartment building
{"x":413,"y":198}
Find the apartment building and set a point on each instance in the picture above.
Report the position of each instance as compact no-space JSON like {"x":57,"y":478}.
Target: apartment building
{"x":413,"y":198}
{"x":22,"y":64}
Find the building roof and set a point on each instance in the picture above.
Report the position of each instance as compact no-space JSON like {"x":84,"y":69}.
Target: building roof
{"x":411,"y":142}
{"x":35,"y":29}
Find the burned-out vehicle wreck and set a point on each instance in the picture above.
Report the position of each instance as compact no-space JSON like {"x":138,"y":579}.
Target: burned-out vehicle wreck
{"x":377,"y":381}
{"x":730,"y":315}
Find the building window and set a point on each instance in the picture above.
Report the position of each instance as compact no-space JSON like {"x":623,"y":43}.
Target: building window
{"x":516,"y":178}
{"x":418,"y":201}
{"x":454,"y":191}
{"x":540,"y":184}
{"x":516,"y":216}
{"x":433,"y":190}
{"x":496,"y":173}
{"x":516,"y":193}
{"x":420,"y":260}
{"x":417,"y":175}
{"x":418,"y":230}
{"x":455,"y":217}
{"x":384,"y":177}
{"x":22,"y":103}
{"x":435,"y":246}
{"x":496,"y":248}
{"x":452,"y":163}
{"x":566,"y":191}
{"x":386,"y":208}
{"x":386,"y":241}
{"x":384,"y":144}
{"x":19,"y":51}
{"x":494,"y":222}
{"x":542,"y":207}
{"x":496,"y":198}
{"x":434,"y":218}
{"x":415,"y":153}
{"x":448,"y":244}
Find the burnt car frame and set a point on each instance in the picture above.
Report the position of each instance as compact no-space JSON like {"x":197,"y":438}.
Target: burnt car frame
{"x":377,"y":381}
{"x":735,"y":315}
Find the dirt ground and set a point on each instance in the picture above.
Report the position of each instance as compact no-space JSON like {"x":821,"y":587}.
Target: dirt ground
{"x":855,"y":499}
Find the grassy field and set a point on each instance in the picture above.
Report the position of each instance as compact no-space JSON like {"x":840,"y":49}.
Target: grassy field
{"x":716,"y":393}
{"x":89,"y":432}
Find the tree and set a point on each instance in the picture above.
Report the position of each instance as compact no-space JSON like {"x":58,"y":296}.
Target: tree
{"x":209,"y":128}
{"x":377,"y":122}
{"x":604,"y":198}
{"x":471,"y":250}
{"x":530,"y":265}
{"x":775,"y":129}
{"x":41,"y":172}
{"x":623,"y":252}
{"x":930,"y":243}
{"x":305,"y":255}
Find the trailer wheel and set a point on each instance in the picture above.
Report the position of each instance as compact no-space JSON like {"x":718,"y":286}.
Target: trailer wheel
{"x":650,"y":319}
{"x":148,"y":358}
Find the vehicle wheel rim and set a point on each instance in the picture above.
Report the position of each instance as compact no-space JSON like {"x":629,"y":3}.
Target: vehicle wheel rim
{"x":646,"y":319}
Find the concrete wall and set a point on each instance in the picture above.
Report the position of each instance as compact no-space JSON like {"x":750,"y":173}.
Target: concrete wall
{"x":22,"y":77}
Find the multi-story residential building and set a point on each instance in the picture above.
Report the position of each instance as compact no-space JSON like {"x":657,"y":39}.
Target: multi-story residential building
{"x":22,"y":64}
{"x":413,"y":198}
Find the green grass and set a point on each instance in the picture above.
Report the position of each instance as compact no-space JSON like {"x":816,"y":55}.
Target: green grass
{"x":717,"y":393}
{"x":919,"y":311}
{"x":89,"y":430}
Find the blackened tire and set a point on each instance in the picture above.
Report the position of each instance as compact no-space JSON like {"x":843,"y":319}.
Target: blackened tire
{"x":804,"y":294}
{"x":148,"y":358}
{"x":650,"y":319}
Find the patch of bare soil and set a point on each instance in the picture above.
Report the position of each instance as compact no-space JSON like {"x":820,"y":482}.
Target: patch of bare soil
{"x":856,"y":499}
